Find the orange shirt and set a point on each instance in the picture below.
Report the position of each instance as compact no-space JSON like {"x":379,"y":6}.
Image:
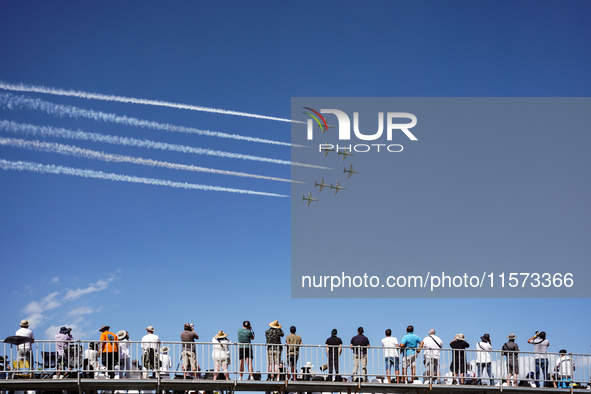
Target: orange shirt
{"x":108,"y":342}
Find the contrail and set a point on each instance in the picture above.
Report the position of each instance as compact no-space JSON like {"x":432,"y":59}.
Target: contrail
{"x":10,"y":101}
{"x":53,"y":169}
{"x":49,"y":131}
{"x":105,"y":97}
{"x":70,"y":150}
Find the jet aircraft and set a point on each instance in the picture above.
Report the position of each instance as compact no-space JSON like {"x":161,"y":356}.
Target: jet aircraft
{"x":350,"y":171}
{"x":345,"y":153}
{"x":337,"y":187}
{"x":321,"y":184}
{"x":309,"y":198}
{"x":326,"y":150}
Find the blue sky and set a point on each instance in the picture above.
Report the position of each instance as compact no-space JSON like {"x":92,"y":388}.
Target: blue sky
{"x":87,"y":252}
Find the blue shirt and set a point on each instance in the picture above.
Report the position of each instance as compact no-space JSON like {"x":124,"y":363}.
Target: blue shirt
{"x":410,"y":341}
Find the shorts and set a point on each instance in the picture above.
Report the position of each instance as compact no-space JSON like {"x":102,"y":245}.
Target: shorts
{"x":189,"y":357}
{"x":292,"y":359}
{"x":244,"y":352}
{"x":409,"y":361}
{"x":273,"y":355}
{"x":458,"y":366}
{"x":513,"y":367}
{"x":431,"y":365}
{"x":392,"y":361}
{"x":224,"y":361}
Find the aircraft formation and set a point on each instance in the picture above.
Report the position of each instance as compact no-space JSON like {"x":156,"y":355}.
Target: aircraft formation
{"x":336,"y":187}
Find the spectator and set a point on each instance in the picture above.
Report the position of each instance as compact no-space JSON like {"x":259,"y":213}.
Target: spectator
{"x":150,"y":345}
{"x":220,"y":354}
{"x":109,"y":350}
{"x":334,"y":347}
{"x":245,"y":335}
{"x":124,"y":354}
{"x":432,"y":345}
{"x":510,"y":350}
{"x":391,"y":355}
{"x":91,"y":354}
{"x":189,"y":353}
{"x":165,"y":362}
{"x":458,"y":364}
{"x":62,"y":337}
{"x":541,"y":356}
{"x":24,"y":352}
{"x":360,"y":344}
{"x":293,"y":351}
{"x":483,"y":358}
{"x":411,"y":343}
{"x":565,"y":368}
{"x":273,"y":336}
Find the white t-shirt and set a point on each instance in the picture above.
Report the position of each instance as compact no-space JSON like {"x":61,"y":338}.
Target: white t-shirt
{"x":150,"y":341}
{"x":24,"y":332}
{"x":165,"y":362}
{"x":565,"y":365}
{"x":432,"y":344}
{"x":390,"y":345}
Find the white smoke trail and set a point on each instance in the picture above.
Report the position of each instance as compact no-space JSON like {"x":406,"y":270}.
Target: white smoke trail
{"x":105,"y":97}
{"x":70,"y":150}
{"x":49,"y":131}
{"x":10,"y":101}
{"x":53,"y":169}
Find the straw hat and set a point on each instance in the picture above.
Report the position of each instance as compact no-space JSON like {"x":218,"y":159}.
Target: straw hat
{"x":511,"y":336}
{"x":164,"y":349}
{"x":121,"y":334}
{"x":274,"y":324}
{"x":460,"y":336}
{"x":24,"y":323}
{"x":150,"y":328}
{"x":220,"y":334}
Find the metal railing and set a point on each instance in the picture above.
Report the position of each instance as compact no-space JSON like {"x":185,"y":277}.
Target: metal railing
{"x":134,"y":360}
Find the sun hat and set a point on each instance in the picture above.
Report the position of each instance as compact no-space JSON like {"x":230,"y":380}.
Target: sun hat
{"x":150,"y":328}
{"x":121,"y":334}
{"x":24,"y":323}
{"x":460,"y":336}
{"x":274,"y":324}
{"x":104,"y":328}
{"x":485,"y":338}
{"x":511,"y":336}
{"x":164,"y":349}
{"x":65,"y":330}
{"x":220,"y":334}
